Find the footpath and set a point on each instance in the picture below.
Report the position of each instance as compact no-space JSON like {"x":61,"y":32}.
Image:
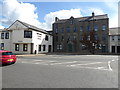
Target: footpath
{"x":53,"y":53}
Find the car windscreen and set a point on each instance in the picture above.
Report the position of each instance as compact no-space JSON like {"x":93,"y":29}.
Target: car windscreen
{"x":7,"y":53}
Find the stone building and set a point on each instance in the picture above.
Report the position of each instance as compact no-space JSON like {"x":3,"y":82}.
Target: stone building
{"x":83,"y":34}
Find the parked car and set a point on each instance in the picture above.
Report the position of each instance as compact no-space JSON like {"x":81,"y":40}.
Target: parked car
{"x":7,"y":57}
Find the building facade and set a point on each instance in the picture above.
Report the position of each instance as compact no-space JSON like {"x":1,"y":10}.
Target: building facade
{"x":84,"y":34}
{"x":23,"y":38}
{"x":114,"y":37}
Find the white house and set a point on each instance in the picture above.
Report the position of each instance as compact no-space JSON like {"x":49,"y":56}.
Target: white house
{"x":24,"y":38}
{"x":114,"y":40}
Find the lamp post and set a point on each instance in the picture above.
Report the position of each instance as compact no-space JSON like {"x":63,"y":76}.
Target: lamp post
{"x":93,"y":37}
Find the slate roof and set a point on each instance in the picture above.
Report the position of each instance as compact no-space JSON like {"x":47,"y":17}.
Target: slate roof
{"x":114,"y":31}
{"x":33,"y":27}
{"x":97,"y":17}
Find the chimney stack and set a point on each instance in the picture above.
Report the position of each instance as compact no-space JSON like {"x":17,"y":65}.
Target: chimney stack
{"x":93,"y":14}
{"x":56,"y":19}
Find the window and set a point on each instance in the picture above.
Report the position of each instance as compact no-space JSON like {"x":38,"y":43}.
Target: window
{"x":113,"y":38}
{"x":62,"y":30}
{"x":81,"y":28}
{"x":39,"y":48}
{"x":2,"y":35}
{"x":2,"y":46}
{"x":74,"y":29}
{"x":16,"y":47}
{"x":104,"y":37}
{"x":104,"y":27}
{"x":56,"y":38}
{"x":57,"y":47}
{"x":88,"y":38}
{"x":27,"y":34}
{"x":56,"y":30}
{"x":88,"y":28}
{"x":68,"y":29}
{"x":44,"y":47}
{"x":25,"y":46}
{"x":7,"y":36}
{"x":95,"y":28}
{"x":71,"y":21}
{"x":81,"y":37}
{"x":39,"y":36}
{"x":118,"y":38}
{"x":60,"y":47}
{"x":96,"y":37}
{"x":46,"y":38}
{"x":7,"y":53}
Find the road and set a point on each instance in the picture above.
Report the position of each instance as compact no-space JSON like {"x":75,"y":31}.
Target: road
{"x":62,"y":71}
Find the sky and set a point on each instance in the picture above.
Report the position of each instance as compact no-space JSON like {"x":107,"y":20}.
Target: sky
{"x":42,"y":14}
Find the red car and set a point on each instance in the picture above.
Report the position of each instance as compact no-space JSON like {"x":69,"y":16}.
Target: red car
{"x":7,"y":57}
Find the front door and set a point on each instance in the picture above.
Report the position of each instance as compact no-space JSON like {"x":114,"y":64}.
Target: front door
{"x":70,"y":47}
{"x":113,"y":49}
{"x":118,"y":49}
{"x":31,"y":48}
{"x":49,"y":48}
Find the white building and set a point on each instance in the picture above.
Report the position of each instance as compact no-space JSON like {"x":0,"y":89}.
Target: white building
{"x":23,"y":38}
{"x":114,"y":35}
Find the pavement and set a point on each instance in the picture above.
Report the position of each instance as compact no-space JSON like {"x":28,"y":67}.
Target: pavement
{"x":21,"y":55}
{"x":42,"y":54}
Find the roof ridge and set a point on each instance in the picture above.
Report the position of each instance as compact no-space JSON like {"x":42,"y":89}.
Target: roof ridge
{"x":32,"y":26}
{"x":84,"y":17}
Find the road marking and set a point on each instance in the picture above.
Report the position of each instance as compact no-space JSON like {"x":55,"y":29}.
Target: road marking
{"x":96,"y":68}
{"x":86,"y":64}
{"x":109,"y":64}
{"x":64,"y":63}
{"x":72,"y":64}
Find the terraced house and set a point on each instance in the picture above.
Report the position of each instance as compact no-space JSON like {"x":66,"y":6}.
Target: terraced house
{"x":23,"y":38}
{"x":83,"y":34}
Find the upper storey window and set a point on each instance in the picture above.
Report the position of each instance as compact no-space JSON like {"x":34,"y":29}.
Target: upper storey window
{"x":27,"y":34}
{"x":103,"y":27}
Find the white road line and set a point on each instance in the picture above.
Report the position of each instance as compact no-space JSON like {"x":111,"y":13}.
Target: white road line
{"x":96,"y":68}
{"x":86,"y":64}
{"x":63,"y":63}
{"x":109,"y":67}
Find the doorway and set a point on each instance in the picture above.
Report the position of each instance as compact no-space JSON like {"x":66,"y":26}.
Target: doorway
{"x":118,"y":49}
{"x":113,"y":49}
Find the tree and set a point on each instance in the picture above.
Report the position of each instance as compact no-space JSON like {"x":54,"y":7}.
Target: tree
{"x":90,"y":40}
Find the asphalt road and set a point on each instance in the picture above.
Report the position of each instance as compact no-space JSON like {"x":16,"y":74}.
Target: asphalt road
{"x":62,"y":71}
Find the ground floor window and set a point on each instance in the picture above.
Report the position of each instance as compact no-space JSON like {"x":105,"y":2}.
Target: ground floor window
{"x":16,"y":47}
{"x":25,"y":46}
{"x":44,"y":47}
{"x":2,"y":46}
{"x":39,"y":48}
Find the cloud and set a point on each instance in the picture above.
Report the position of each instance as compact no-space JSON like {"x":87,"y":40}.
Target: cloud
{"x":2,"y":27}
{"x":26,"y":12}
{"x":113,"y":17}
{"x":13,"y":10}
{"x":61,"y":14}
